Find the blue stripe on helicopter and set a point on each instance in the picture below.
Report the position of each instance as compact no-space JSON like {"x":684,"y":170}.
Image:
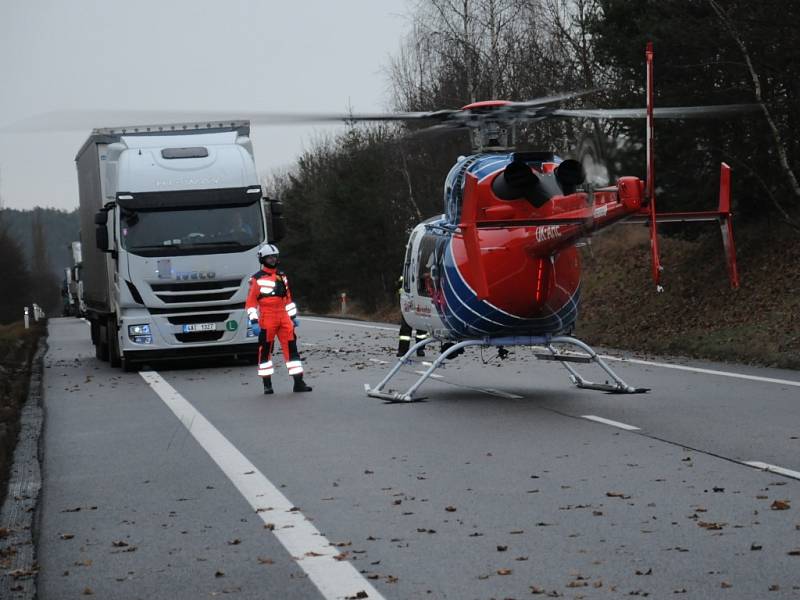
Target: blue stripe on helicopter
{"x":489,"y":165}
{"x":468,"y":316}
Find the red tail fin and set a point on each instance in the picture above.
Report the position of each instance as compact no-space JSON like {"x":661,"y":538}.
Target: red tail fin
{"x":469,"y":229}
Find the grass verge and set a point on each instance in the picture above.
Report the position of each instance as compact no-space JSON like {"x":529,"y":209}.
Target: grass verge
{"x":17,"y":347}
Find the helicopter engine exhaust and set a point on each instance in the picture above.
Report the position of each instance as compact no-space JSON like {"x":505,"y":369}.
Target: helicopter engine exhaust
{"x":518,"y":181}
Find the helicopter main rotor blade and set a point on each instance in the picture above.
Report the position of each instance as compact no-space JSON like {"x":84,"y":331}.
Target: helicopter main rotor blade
{"x":671,"y":112}
{"x":70,"y":120}
{"x":544,"y":100}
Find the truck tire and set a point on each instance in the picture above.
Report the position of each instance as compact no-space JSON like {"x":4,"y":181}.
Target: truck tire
{"x":113,"y":344}
{"x":101,"y":342}
{"x":128,"y":365}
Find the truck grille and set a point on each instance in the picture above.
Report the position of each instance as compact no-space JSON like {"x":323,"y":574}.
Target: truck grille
{"x":177,"y":310}
{"x":195,"y":286}
{"x":184,"y":298}
{"x":196,"y":291}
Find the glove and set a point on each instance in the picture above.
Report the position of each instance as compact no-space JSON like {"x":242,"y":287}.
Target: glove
{"x":255,"y":328}
{"x":296,"y":322}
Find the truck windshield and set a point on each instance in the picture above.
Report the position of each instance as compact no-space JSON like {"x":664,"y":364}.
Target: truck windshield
{"x":191,"y":230}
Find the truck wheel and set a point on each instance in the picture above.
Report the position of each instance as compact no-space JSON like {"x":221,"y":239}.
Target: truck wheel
{"x":128,"y":365}
{"x":113,"y":344}
{"x":101,"y":342}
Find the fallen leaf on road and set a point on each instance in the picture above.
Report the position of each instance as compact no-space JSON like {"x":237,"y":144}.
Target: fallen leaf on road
{"x":780,"y":505}
{"x":504,"y":571}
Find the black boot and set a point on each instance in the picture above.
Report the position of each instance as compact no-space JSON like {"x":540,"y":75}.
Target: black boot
{"x":268,"y":385}
{"x":300,"y":385}
{"x":403,"y":347}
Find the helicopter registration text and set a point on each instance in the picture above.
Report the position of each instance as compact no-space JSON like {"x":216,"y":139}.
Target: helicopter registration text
{"x":548,"y":232}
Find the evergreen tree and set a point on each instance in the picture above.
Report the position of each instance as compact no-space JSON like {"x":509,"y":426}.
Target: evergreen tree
{"x":14,"y":275}
{"x":45,"y":283}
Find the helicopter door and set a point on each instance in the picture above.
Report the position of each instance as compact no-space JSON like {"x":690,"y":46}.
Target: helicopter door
{"x":407,"y":270}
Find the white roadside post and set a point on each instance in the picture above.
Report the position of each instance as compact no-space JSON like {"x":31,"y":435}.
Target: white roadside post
{"x":35,"y":312}
{"x":27,"y":319}
{"x":344,"y":302}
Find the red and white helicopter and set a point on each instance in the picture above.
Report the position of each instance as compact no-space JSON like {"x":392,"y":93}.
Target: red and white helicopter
{"x":500,"y":266}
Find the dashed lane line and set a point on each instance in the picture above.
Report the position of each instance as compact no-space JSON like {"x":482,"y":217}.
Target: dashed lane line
{"x":624,"y":426}
{"x":772,"y":469}
{"x":335,"y":579}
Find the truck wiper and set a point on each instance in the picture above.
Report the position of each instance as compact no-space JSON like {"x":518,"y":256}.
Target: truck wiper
{"x":219,"y":243}
{"x":156,"y":247}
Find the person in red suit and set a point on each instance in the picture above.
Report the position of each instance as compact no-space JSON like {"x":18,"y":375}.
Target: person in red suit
{"x":273,"y":313}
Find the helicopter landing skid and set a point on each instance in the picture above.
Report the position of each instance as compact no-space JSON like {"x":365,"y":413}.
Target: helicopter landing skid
{"x":617,"y":387}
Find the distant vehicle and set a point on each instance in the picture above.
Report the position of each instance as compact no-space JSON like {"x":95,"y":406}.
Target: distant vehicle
{"x":177,"y":215}
{"x":66,"y":299}
{"x":75,"y":281}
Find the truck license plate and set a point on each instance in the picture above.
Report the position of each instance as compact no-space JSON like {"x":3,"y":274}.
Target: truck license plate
{"x":199,"y":327}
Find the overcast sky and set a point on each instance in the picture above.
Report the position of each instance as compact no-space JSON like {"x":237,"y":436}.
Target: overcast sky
{"x":220,"y":55}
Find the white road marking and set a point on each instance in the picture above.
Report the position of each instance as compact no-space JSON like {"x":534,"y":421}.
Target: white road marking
{"x":343,"y":322}
{"x":335,"y":579}
{"x":434,"y":375}
{"x":773,"y":469}
{"x":500,"y":393}
{"x":706,"y":371}
{"x":624,"y":426}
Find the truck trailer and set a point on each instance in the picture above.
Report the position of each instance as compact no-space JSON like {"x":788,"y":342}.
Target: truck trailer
{"x":177,"y":216}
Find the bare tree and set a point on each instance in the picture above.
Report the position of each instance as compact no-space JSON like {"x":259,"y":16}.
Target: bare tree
{"x":780,"y":148}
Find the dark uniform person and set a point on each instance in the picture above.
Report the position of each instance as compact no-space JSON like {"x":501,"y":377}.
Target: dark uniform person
{"x":406,"y":330}
{"x":273,"y":313}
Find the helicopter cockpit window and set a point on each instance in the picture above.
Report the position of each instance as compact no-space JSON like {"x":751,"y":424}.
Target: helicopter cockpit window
{"x":426,"y":276}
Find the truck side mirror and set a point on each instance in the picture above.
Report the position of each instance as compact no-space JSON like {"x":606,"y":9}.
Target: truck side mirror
{"x":277,"y":226}
{"x":101,"y":237}
{"x":101,"y":230}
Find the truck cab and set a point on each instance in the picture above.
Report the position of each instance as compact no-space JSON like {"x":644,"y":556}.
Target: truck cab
{"x":177,"y":232}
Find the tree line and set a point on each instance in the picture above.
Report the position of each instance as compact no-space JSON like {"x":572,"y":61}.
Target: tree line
{"x":351,"y":200}
{"x":33,"y":255}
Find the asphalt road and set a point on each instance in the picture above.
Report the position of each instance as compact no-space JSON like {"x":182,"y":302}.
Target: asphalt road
{"x":185,"y":482}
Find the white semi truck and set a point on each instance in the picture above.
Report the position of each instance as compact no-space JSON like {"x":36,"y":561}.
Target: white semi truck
{"x":178,"y":215}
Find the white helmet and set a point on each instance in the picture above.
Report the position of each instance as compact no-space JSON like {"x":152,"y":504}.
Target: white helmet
{"x":268,"y":250}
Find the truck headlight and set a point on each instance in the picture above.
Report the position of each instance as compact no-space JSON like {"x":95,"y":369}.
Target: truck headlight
{"x":140,"y":334}
{"x":143,"y":329}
